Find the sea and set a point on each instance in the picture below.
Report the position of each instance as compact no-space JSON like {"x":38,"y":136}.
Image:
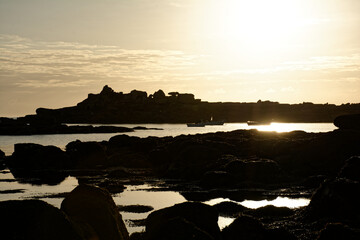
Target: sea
{"x":145,"y":194}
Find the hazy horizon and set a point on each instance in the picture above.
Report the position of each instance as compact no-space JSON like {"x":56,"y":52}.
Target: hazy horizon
{"x":53,"y":53}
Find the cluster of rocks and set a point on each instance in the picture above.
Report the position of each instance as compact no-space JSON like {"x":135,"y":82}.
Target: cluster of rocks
{"x":218,"y":164}
{"x":90,"y":213}
{"x":225,"y":159}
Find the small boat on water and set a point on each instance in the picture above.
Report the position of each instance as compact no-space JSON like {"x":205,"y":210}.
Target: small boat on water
{"x":196,"y":124}
{"x":205,"y":123}
{"x":214,"y":123}
{"x":258,"y":123}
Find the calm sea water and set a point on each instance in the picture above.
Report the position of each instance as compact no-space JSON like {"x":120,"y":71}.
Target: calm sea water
{"x":60,"y":140}
{"x":141,"y":194}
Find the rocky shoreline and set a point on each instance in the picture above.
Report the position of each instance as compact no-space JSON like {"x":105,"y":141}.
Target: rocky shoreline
{"x":232,"y":165}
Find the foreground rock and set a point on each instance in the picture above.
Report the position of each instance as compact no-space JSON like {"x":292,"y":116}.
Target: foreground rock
{"x":248,"y":228}
{"x":34,"y":220}
{"x":94,"y":212}
{"x":335,"y":200}
{"x":189,"y":220}
{"x":335,"y":231}
{"x":351,"y":169}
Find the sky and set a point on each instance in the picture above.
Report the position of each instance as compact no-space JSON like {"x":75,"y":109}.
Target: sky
{"x":53,"y":53}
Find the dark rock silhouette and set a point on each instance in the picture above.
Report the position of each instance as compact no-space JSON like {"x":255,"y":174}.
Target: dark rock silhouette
{"x":31,"y":156}
{"x":93,"y":208}
{"x":2,"y":155}
{"x":351,"y":121}
{"x":34,"y":219}
{"x":37,"y":164}
{"x":48,"y":125}
{"x":2,"y":160}
{"x":334,"y":231}
{"x":182,"y":221}
{"x":335,"y":199}
{"x":135,"y":208}
{"x":244,"y":227}
{"x":249,"y":228}
{"x":351,"y":169}
{"x":137,"y":107}
{"x":230,"y":209}
{"x":270,"y":211}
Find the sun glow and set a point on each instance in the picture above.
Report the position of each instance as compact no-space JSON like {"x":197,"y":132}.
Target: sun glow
{"x":259,"y":24}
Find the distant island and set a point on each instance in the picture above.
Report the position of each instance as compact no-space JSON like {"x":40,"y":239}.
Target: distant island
{"x":138,"y":107}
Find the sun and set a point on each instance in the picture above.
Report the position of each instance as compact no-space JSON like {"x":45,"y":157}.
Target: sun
{"x":260,"y":24}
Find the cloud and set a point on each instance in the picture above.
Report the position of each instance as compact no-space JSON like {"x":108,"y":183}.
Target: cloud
{"x":28,"y":63}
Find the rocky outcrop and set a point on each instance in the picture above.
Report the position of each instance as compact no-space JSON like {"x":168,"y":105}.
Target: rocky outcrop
{"x":49,"y":125}
{"x":35,"y":220}
{"x":230,"y":209}
{"x":351,"y":121}
{"x":37,"y":164}
{"x":33,"y":156}
{"x":249,"y":228}
{"x":93,"y":208}
{"x":337,"y":200}
{"x":137,"y":107}
{"x":351,"y":169}
{"x":334,"y":231}
{"x":182,"y":221}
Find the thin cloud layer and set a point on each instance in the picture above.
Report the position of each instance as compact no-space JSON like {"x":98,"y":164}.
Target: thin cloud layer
{"x":39,"y":64}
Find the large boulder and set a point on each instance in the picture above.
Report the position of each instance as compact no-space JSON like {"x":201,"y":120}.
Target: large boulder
{"x":91,"y":206}
{"x":351,"y":121}
{"x":31,"y":156}
{"x":196,"y":218}
{"x":351,"y":169}
{"x":34,"y":219}
{"x":335,"y":199}
{"x":37,"y":164}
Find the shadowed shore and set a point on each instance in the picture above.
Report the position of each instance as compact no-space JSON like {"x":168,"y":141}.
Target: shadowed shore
{"x":237,"y":165}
